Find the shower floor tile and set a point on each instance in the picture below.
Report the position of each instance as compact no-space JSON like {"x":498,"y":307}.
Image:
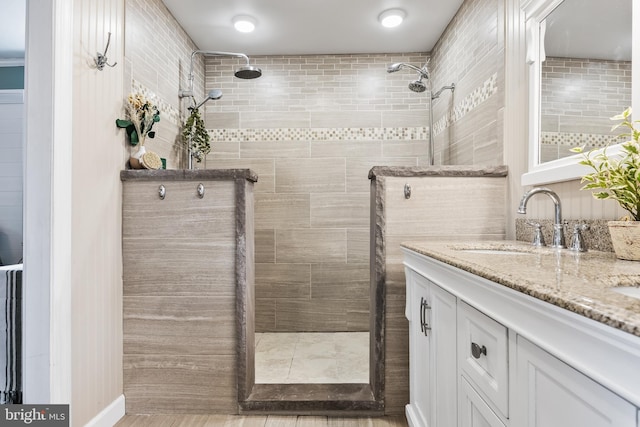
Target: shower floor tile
{"x":312,"y":357}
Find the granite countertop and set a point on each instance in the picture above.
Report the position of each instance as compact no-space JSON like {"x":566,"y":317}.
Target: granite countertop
{"x":579,"y":282}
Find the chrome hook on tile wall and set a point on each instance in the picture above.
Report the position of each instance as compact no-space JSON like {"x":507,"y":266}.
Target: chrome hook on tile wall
{"x":407,"y":191}
{"x":101,"y":58}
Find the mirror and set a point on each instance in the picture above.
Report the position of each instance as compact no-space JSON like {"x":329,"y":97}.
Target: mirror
{"x":579,"y":56}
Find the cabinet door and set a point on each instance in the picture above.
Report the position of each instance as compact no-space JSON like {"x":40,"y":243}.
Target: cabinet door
{"x":443,"y":358}
{"x":553,"y":394}
{"x":418,"y":305}
{"x":474,"y":411}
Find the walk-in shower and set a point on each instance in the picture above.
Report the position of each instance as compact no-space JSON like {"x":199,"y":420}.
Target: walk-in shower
{"x":245,"y":72}
{"x":419,"y":86}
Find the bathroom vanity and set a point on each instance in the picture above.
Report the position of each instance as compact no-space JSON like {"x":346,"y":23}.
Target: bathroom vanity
{"x":504,"y":334}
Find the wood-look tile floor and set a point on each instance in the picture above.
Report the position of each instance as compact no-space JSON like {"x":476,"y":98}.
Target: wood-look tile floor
{"x":257,"y":421}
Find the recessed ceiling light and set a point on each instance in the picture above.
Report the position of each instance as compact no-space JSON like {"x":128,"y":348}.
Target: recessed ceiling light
{"x":391,"y":17}
{"x":244,"y":23}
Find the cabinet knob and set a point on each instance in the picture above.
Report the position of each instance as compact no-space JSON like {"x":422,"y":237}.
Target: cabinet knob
{"x":162,"y":192}
{"x":478,"y":351}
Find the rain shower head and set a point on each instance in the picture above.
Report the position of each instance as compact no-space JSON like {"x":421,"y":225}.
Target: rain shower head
{"x":418,"y":86}
{"x":248,"y":72}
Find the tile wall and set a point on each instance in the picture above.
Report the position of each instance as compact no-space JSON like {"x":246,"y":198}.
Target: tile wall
{"x":470,"y":54}
{"x":312,"y":127}
{"x":157,"y":58}
{"x":578,"y":97}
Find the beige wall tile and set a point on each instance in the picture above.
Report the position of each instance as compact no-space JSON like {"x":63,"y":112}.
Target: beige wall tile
{"x":336,"y":315}
{"x":310,"y":175}
{"x":354,"y":149}
{"x":265,"y":168}
{"x":179,"y":325}
{"x":358,"y":246}
{"x":265,"y":242}
{"x":270,"y":120}
{"x":358,"y":170}
{"x":163,"y":384}
{"x":283,"y":281}
{"x":339,"y":210}
{"x":394,"y":149}
{"x":265,"y":315}
{"x":342,"y":119}
{"x":340,"y":281}
{"x":477,"y":203}
{"x":274,"y":149}
{"x":311,"y":246}
{"x":282,"y":210}
{"x":145,"y":215}
{"x":407,"y":118}
{"x":216,"y":119}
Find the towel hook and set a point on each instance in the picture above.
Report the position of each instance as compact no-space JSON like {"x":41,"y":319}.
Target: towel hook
{"x":101,"y":58}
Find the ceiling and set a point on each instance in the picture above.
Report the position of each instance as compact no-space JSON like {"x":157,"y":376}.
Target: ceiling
{"x":301,"y":27}
{"x":592,"y":28}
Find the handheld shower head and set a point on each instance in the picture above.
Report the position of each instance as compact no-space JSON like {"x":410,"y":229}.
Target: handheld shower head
{"x":423,"y":72}
{"x":418,"y":86}
{"x":213,"y":94}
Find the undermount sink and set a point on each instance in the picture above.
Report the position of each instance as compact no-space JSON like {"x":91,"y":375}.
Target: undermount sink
{"x":630,"y":291}
{"x":495,"y":251}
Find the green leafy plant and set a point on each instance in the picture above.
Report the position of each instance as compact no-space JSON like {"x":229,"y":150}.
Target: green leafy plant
{"x":142,"y":115}
{"x":195,"y":135}
{"x":616,"y":177}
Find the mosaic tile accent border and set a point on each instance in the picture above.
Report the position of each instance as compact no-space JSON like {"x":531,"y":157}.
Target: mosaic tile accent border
{"x":320,"y":134}
{"x":167,"y":111}
{"x":470,"y":102}
{"x":577,"y":139}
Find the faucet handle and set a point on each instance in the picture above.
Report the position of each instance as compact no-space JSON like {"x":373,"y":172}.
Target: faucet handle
{"x":577,"y":240}
{"x":538,"y":238}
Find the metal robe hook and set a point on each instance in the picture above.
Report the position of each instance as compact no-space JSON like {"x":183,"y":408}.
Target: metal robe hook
{"x":101,"y":58}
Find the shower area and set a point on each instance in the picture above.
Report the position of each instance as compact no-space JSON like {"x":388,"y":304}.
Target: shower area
{"x":312,"y":127}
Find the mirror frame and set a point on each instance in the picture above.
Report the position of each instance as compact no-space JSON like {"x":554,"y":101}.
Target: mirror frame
{"x":567,"y":168}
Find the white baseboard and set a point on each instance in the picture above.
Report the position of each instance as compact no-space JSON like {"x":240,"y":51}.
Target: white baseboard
{"x":110,"y":415}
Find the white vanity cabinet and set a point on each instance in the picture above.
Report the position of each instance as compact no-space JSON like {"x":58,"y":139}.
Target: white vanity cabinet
{"x":550,"y":393}
{"x":494,"y":357}
{"x":431,"y":312}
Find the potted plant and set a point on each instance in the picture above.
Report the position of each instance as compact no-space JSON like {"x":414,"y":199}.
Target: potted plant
{"x":143,"y":114}
{"x":195,"y":136}
{"x":617,"y":177}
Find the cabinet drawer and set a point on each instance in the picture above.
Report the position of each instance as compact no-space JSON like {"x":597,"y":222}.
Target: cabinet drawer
{"x":473,"y":410}
{"x":483,"y":355}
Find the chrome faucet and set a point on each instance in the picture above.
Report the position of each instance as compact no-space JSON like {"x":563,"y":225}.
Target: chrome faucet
{"x":558,"y":225}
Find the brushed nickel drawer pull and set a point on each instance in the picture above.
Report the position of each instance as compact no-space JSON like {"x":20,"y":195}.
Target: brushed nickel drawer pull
{"x":478,"y":351}
{"x":424,"y":326}
{"x":162,"y":192}
{"x":200,"y":190}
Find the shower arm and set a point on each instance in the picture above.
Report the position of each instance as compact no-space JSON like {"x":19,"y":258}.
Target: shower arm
{"x":189,"y":92}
